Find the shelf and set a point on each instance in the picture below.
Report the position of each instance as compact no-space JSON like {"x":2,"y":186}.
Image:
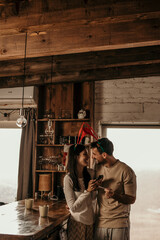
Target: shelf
{"x":54,"y":171}
{"x":63,"y":120}
{"x":49,"y":145}
{"x":58,"y":145}
{"x":65,"y":101}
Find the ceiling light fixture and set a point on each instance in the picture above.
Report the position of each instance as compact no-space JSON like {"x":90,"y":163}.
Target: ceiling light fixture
{"x":49,"y":131}
{"x":22,"y":121}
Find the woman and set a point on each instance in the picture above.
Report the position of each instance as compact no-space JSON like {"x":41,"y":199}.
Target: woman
{"x":78,"y":188}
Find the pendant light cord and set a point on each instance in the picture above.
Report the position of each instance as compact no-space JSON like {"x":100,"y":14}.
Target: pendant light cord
{"x":24,"y":77}
{"x":51,"y":69}
{"x":51,"y":90}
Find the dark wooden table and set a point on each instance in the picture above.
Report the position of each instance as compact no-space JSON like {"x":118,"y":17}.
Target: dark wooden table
{"x":18,"y":223}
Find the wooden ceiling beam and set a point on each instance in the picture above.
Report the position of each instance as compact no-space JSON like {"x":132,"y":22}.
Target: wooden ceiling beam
{"x":88,"y":75}
{"x":44,"y":21}
{"x":83,"y":38}
{"x":89,"y":40}
{"x":90,"y":8}
{"x":64,"y":64}
{"x":79,"y":30}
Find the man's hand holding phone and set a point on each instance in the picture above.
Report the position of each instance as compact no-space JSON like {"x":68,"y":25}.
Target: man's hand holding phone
{"x":100,"y":177}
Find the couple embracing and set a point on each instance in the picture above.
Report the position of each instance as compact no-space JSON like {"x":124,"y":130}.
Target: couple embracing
{"x":99,"y":207}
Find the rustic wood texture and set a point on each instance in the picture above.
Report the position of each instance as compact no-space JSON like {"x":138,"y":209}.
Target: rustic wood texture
{"x":58,"y":99}
{"x":79,"y":27}
{"x":61,"y":98}
{"x":66,"y":64}
{"x":66,"y":100}
{"x":93,"y":66}
{"x":19,"y":223}
{"x":90,"y":40}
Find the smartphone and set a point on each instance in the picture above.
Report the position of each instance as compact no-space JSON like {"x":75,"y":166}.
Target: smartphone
{"x":99,"y":177}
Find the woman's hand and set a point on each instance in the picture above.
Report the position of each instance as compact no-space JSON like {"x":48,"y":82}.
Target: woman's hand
{"x":99,"y":182}
{"x":91,"y":186}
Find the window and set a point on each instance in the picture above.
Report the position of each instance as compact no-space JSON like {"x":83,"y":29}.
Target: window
{"x":9,"y":160}
{"x":139,"y":148}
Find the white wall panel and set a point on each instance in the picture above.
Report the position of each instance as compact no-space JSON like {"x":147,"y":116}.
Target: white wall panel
{"x":135,"y":100}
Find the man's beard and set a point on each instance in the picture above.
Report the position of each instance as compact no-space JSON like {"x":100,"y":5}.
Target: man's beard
{"x":98,"y":163}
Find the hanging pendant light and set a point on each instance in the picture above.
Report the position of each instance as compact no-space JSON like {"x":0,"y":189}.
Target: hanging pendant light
{"x":22,"y":121}
{"x":49,"y":131}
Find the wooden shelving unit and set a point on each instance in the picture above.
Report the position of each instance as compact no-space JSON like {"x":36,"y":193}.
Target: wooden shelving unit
{"x":63,"y":101}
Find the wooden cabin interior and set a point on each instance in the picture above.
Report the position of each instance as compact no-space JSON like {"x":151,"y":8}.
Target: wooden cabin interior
{"x":60,"y":57}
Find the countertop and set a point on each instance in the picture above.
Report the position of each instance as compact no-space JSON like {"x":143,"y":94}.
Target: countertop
{"x":18,"y":223}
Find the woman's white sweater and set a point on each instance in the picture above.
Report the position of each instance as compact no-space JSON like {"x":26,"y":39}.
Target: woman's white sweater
{"x":81,"y":204}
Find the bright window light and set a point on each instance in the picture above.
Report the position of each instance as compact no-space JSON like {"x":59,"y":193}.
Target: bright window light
{"x":9,"y":161}
{"x":139,"y":148}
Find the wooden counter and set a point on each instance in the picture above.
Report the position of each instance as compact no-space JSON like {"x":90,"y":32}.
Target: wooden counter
{"x":18,"y":223}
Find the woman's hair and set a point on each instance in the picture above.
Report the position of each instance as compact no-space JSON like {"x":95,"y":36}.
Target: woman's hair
{"x":74,"y":152}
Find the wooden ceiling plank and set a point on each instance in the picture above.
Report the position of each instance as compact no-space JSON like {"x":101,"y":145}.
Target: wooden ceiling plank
{"x":89,"y":8}
{"x":83,"y":38}
{"x":59,"y":19}
{"x":120,"y":72}
{"x":90,"y":40}
{"x":64,"y":64}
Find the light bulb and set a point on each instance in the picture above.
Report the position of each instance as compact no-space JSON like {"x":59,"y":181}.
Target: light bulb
{"x":21,"y":121}
{"x":49,"y":130}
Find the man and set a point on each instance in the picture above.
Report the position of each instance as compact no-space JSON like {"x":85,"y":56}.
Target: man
{"x":118,"y":192}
